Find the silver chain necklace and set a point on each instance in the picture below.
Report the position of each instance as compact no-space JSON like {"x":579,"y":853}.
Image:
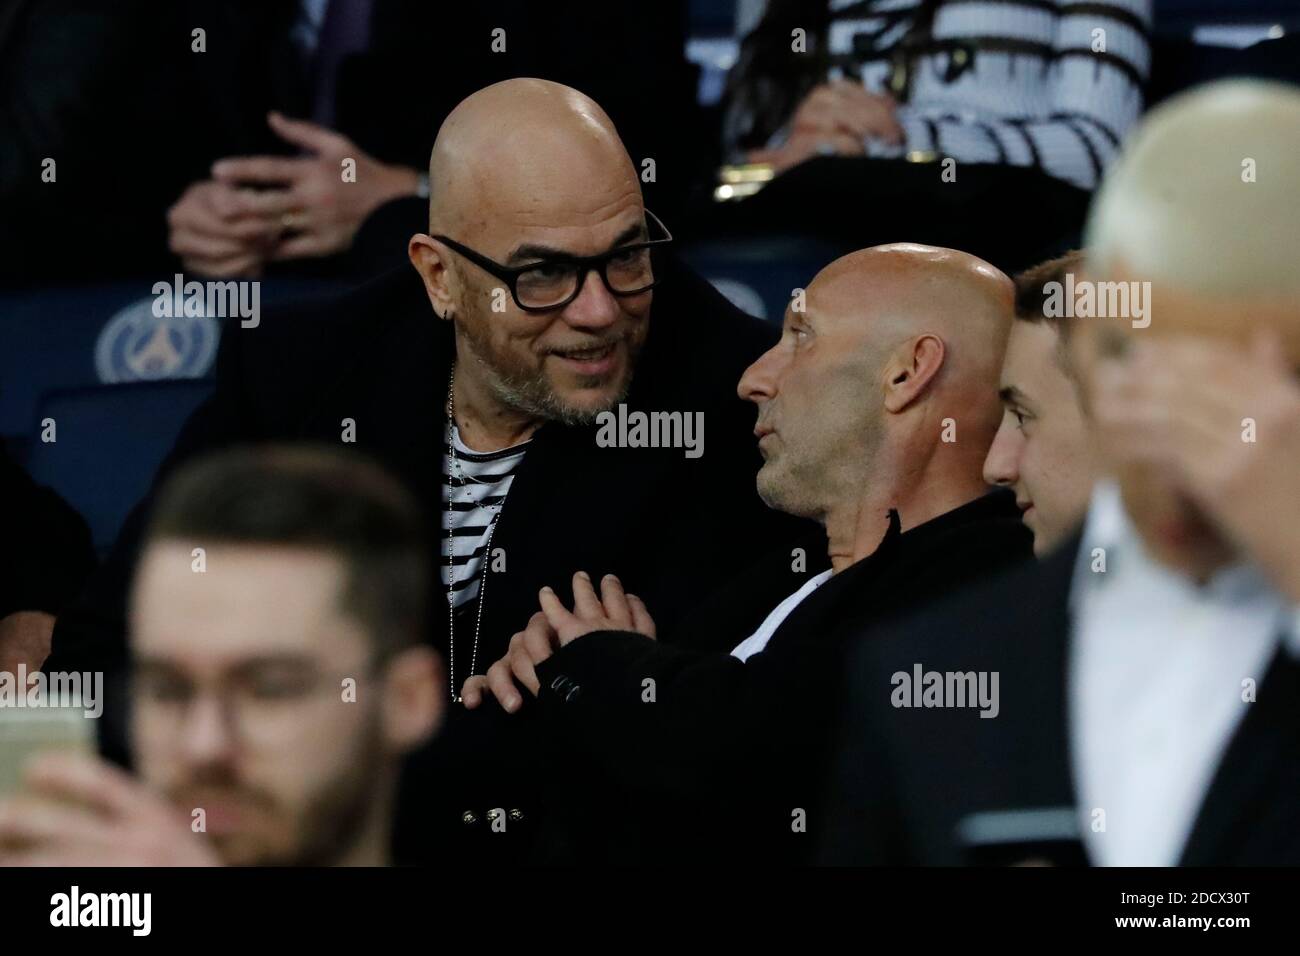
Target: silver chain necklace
{"x":457,"y":472}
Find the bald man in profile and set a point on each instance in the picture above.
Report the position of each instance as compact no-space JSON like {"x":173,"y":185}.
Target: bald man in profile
{"x":541,"y":296}
{"x":875,"y":412}
{"x":1150,"y":666}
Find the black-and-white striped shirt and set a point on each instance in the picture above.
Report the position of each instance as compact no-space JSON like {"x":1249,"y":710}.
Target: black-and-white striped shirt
{"x":474,"y":488}
{"x":1049,"y":83}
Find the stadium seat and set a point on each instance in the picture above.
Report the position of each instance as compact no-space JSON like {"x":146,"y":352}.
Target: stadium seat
{"x":109,"y":442}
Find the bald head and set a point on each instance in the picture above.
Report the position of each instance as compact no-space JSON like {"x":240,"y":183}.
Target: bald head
{"x":893,"y":341}
{"x":529,"y":173}
{"x":889,"y":293}
{"x":517,"y":142}
{"x":1205,"y":195}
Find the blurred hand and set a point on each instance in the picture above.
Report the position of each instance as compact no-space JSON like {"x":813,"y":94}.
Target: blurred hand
{"x":25,"y":639}
{"x":219,"y":230}
{"x":845,"y":106}
{"x":834,"y":119}
{"x":553,"y":627}
{"x":82,"y":811}
{"x":307,"y":196}
{"x":1179,"y":404}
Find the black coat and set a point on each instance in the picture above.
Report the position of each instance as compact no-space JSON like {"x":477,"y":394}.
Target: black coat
{"x":719,"y":764}
{"x":908,"y":778}
{"x":379,"y":357}
{"x":46,"y":556}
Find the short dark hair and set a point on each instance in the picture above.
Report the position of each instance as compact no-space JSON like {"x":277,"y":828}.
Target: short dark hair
{"x":1031,"y":299}
{"x":317,"y":498}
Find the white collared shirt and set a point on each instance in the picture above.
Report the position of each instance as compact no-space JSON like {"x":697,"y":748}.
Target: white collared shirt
{"x":758,"y":640}
{"x":1157,"y":675}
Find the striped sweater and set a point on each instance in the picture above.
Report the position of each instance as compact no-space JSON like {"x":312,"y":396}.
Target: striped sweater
{"x":1049,"y":83}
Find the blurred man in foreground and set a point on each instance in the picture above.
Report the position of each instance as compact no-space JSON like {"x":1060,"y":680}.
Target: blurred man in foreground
{"x":1042,"y":450}
{"x":1150,"y":669}
{"x":875,"y":412}
{"x":279,"y":677}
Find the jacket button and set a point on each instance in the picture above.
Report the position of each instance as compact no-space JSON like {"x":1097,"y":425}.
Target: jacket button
{"x":573,"y":693}
{"x":560,"y":683}
{"x":469,"y":817}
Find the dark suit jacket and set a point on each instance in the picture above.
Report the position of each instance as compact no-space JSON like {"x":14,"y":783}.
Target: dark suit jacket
{"x":379,"y":357}
{"x":717,"y":765}
{"x":907,"y":778}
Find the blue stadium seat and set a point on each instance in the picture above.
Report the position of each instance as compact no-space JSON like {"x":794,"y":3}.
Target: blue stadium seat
{"x":759,"y":275}
{"x":110,"y":440}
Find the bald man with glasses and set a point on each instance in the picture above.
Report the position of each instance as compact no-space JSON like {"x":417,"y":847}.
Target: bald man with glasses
{"x":541,"y":295}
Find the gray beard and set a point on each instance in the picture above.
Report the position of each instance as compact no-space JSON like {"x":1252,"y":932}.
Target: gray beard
{"x":532,"y":395}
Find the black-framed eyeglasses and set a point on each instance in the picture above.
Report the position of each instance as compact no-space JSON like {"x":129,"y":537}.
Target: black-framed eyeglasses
{"x":555,"y":281}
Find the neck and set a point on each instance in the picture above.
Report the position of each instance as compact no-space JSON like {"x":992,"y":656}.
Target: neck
{"x":484,"y":422}
{"x":855,"y":529}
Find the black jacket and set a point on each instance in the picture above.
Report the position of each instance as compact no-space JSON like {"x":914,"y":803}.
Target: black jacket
{"x":46,"y":556}
{"x":908,"y":779}
{"x":379,"y":357}
{"x":718,"y":766}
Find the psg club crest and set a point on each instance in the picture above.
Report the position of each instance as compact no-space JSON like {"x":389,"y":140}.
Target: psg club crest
{"x":137,"y":345}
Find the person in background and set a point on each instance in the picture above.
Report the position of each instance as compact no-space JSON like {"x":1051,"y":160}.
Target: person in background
{"x":279,"y":676}
{"x":980,"y":126}
{"x":1150,"y":666}
{"x":259,"y":136}
{"x":1043,"y":449}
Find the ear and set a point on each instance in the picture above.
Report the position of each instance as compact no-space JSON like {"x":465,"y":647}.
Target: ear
{"x":432,"y":261}
{"x":910,"y":369}
{"x":413,"y":698}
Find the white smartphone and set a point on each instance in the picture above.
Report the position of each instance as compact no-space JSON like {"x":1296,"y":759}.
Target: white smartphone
{"x":25,"y":732}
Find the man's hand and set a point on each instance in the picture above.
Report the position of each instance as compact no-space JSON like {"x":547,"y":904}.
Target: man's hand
{"x":308,"y":196}
{"x":25,"y":639}
{"x":1181,"y":405}
{"x":611,"y":610}
{"x":553,"y":627}
{"x":528,"y":648}
{"x":81,"y":811}
{"x":221,"y":230}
